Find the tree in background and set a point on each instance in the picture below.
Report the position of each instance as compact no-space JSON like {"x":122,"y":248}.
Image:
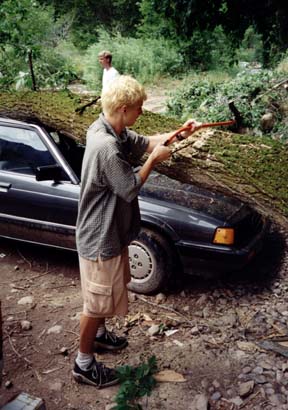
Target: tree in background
{"x":185,"y":18}
{"x":202,"y":37}
{"x":269,"y":17}
{"x":182,"y":21}
{"x":28,"y":30}
{"x":121,"y":16}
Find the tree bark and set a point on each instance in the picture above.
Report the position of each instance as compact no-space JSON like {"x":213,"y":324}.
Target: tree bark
{"x":30,"y":59}
{"x":252,"y":169}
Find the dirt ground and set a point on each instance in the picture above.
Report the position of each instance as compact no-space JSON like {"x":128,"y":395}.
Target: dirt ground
{"x":205,"y":315}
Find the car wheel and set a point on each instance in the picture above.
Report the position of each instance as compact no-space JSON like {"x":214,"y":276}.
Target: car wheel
{"x":150,"y":258}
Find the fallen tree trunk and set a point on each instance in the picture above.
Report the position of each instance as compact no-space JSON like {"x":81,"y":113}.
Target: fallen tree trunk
{"x":252,"y":169}
{"x":255,"y":171}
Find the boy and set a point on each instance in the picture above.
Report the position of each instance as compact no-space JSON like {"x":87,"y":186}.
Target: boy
{"x":109,"y":219}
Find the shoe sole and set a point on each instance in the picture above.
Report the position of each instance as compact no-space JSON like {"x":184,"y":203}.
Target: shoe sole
{"x":79,"y":378}
{"x":98,"y":345}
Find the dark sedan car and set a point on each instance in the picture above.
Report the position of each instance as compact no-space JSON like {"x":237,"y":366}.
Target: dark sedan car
{"x":182,"y":226}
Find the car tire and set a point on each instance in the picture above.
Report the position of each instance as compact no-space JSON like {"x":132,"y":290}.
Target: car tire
{"x":151,"y":261}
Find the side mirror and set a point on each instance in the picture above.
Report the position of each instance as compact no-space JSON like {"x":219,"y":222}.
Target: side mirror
{"x":49,"y":172}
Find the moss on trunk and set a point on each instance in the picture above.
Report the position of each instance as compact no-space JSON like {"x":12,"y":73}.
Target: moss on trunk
{"x":60,"y":110}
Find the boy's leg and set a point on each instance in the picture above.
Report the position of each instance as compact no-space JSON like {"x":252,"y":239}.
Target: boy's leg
{"x":88,"y":330}
{"x":86,"y":369}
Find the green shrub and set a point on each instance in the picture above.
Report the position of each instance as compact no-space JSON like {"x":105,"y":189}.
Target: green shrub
{"x":209,"y":50}
{"x":251,"y":47}
{"x":135,"y":384}
{"x":207,"y":101}
{"x":54,"y":70}
{"x":10,"y":67}
{"x":222,"y":51}
{"x":72,"y":56}
{"x":51,"y":70}
{"x":197,"y":50}
{"x":283,"y":64}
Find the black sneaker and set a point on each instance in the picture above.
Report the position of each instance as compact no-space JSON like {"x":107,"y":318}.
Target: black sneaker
{"x":110,"y":341}
{"x":97,"y":375}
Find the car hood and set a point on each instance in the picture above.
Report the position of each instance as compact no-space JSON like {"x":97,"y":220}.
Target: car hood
{"x":224,"y":208}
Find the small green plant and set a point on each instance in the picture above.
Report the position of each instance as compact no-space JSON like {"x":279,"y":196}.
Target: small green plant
{"x":135,"y":383}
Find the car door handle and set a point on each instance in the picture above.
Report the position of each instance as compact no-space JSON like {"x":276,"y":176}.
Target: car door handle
{"x":4,"y":186}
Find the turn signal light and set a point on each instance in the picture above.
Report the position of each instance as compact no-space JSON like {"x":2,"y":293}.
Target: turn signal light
{"x":224,"y":236}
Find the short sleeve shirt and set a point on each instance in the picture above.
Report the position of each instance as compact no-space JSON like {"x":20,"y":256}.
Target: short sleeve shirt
{"x":108,"y":217}
{"x":108,"y":76}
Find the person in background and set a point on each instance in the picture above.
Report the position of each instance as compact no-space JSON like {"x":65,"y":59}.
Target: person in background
{"x":109,"y":219}
{"x":109,"y":72}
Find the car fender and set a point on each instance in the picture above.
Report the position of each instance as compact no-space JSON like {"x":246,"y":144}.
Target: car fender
{"x":159,"y":226}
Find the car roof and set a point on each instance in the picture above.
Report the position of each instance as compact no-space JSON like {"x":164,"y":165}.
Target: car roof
{"x":12,"y":121}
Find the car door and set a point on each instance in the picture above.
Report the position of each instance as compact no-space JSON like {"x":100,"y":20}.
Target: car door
{"x":36,"y":211}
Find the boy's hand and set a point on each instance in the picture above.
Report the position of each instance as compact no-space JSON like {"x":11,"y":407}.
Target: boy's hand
{"x":194,"y":126}
{"x":160,"y":153}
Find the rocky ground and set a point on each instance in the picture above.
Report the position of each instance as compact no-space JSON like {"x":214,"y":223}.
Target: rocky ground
{"x":227,"y":338}
{"x":156,"y":100}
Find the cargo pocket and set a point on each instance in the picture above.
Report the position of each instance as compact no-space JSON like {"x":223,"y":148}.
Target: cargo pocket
{"x":100,"y":299}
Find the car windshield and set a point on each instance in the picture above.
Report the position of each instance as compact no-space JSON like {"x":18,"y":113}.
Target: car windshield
{"x":21,"y":136}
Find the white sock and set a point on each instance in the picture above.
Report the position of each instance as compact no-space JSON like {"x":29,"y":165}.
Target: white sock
{"x":101,"y":330}
{"x":84,"y":360}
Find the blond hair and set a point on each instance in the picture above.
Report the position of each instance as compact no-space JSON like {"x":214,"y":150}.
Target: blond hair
{"x":124,"y":90}
{"x":105,"y":54}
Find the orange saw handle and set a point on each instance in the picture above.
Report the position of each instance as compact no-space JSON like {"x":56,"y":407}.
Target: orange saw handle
{"x":205,"y":125}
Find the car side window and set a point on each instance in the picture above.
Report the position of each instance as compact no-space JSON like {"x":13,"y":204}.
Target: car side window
{"x":22,"y":150}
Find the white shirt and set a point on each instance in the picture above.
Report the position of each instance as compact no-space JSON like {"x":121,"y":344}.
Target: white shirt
{"x":108,"y":76}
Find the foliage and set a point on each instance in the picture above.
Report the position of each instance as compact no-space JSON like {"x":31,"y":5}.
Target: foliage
{"x":52,"y":70}
{"x":144,"y":59}
{"x":30,"y":33}
{"x":283,"y":64}
{"x":149,"y":39}
{"x":209,"y":50}
{"x":120,"y":15}
{"x":251,"y":47}
{"x":135,"y":384}
{"x":25,"y":25}
{"x":153,"y":23}
{"x":208,"y":101}
{"x":222,"y":50}
{"x":202,"y":47}
{"x":10,"y":65}
{"x":71,"y":55}
{"x":180,"y":21}
{"x":185,"y":18}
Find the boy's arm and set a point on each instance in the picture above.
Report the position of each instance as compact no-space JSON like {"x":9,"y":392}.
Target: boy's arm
{"x":161,"y":138}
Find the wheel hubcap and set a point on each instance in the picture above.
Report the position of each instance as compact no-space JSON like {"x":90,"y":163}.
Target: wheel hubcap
{"x":141,"y":263}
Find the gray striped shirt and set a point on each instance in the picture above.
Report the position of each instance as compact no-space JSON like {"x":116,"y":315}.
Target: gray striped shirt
{"x":108,"y":217}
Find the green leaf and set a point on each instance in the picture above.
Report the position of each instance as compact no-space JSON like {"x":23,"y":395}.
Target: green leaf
{"x":135,"y":383}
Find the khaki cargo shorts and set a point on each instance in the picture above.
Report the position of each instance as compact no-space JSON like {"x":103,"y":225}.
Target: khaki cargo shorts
{"x":104,"y":285}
